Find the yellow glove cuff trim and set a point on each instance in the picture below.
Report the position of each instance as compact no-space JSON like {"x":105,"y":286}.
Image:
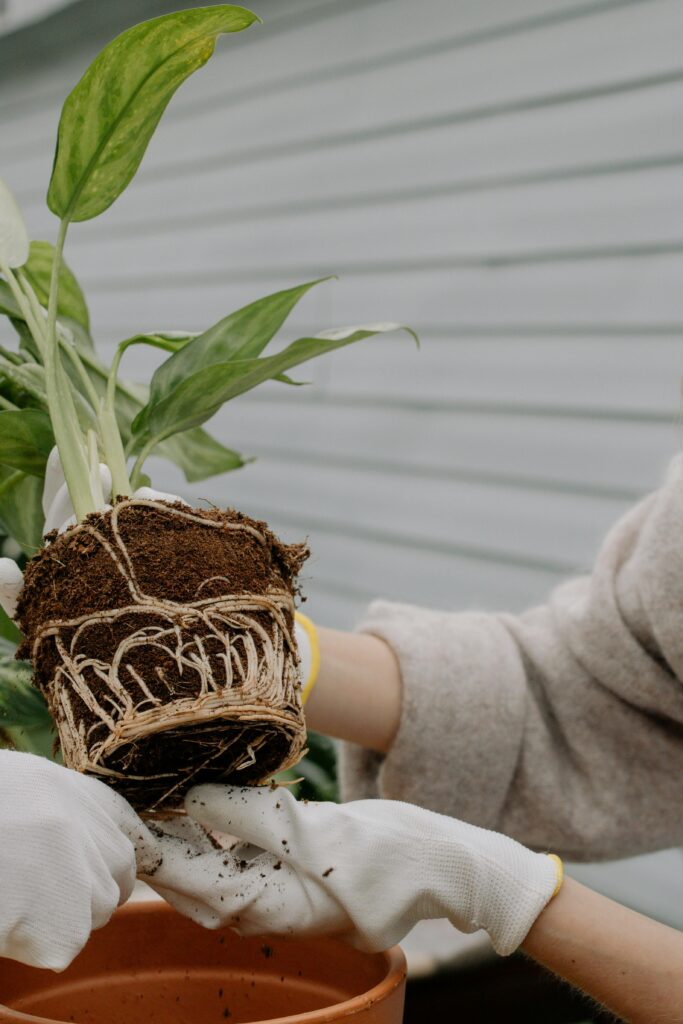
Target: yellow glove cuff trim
{"x":559,"y":868}
{"x":312,"y":634}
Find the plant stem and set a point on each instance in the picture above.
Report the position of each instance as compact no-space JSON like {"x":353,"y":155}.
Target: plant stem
{"x":139,"y":462}
{"x":12,"y":357}
{"x":75,"y":359}
{"x":6,"y":404}
{"x":60,"y":402}
{"x":94,"y":463}
{"x":109,"y":431}
{"x":65,"y":344}
{"x":36,"y":329}
{"x":114,"y":455}
{"x":39,"y":332}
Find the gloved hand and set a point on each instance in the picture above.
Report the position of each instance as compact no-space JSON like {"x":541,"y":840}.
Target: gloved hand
{"x":59,"y":514}
{"x":66,"y":858}
{"x":364,"y":871}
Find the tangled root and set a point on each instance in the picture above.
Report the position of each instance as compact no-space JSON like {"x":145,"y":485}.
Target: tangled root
{"x":207,"y":688}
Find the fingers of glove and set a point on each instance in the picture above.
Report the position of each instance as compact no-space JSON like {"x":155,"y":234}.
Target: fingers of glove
{"x":149,"y":494}
{"x":52,"y":943}
{"x":112,"y":825}
{"x":57,"y":886}
{"x":203,"y":913}
{"x":54,"y":479}
{"x":178,"y":839}
{"x":210,"y":888}
{"x":11,"y":582}
{"x":260,"y":815}
{"x":112,"y":884}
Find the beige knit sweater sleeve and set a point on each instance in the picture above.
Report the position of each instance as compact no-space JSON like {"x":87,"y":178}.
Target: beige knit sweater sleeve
{"x":562,"y":727}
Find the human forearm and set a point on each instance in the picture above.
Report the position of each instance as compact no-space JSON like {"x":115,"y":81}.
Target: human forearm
{"x":627,"y":962}
{"x":357,"y":696}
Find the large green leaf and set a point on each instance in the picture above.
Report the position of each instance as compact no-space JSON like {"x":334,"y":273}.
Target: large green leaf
{"x":70,"y":301}
{"x":26,"y":440}
{"x":241,"y":335}
{"x":199,"y":455}
{"x":195,"y":399}
{"x":21,"y":510}
{"x":110,"y":116}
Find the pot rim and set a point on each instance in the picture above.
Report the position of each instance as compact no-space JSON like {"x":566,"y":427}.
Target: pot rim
{"x":394,"y":959}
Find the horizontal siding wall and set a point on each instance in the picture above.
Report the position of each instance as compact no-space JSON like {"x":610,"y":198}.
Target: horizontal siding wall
{"x":504,"y":177}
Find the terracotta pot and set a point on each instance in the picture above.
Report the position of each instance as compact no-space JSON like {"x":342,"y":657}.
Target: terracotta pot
{"x":152,"y":966}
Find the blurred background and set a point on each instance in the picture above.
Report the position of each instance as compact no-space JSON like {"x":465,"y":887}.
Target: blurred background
{"x":505,"y":177}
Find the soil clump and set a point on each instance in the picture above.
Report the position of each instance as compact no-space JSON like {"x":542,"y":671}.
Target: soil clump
{"x":162,"y":639}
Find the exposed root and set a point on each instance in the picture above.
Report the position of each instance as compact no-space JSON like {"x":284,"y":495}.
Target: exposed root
{"x":233,"y":659}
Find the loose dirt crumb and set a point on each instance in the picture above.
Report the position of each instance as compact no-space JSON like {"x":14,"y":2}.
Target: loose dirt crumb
{"x":327,"y":873}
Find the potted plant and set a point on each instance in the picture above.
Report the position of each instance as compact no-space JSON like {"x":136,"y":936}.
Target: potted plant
{"x":160,"y":635}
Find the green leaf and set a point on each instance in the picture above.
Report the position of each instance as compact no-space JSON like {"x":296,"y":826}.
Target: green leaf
{"x":8,"y":304}
{"x":199,"y":455}
{"x":13,"y":235}
{"x":170,"y":341}
{"x":28,"y":377}
{"x":21,"y":509}
{"x":21,"y":704}
{"x":8,"y":630}
{"x":241,"y":335}
{"x":110,"y":116}
{"x":70,"y":301}
{"x":200,"y":395}
{"x":24,"y":718}
{"x":317,"y":783}
{"x":26,"y":440}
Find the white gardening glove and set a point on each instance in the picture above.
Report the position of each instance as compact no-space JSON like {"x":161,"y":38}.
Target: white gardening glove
{"x":59,"y":515}
{"x":67,"y":858}
{"x":365,"y":871}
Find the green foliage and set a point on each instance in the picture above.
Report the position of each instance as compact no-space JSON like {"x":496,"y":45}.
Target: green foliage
{"x":8,"y":631}
{"x":109,"y":118}
{"x":241,"y":335}
{"x":70,"y":299}
{"x":21,"y":510}
{"x":315,"y":777}
{"x":178,"y":403}
{"x":8,"y":304}
{"x":200,"y":455}
{"x":25,"y":721}
{"x":26,"y":440}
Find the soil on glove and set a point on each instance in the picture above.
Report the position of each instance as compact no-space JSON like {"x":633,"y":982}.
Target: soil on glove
{"x":153,"y":609}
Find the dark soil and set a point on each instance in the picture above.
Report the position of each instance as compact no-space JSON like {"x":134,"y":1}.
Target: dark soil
{"x":176,"y":560}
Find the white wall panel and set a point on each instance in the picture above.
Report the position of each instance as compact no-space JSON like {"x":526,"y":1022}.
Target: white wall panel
{"x":506,"y":178}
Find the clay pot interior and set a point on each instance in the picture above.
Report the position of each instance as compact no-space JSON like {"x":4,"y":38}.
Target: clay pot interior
{"x":152,"y":966}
